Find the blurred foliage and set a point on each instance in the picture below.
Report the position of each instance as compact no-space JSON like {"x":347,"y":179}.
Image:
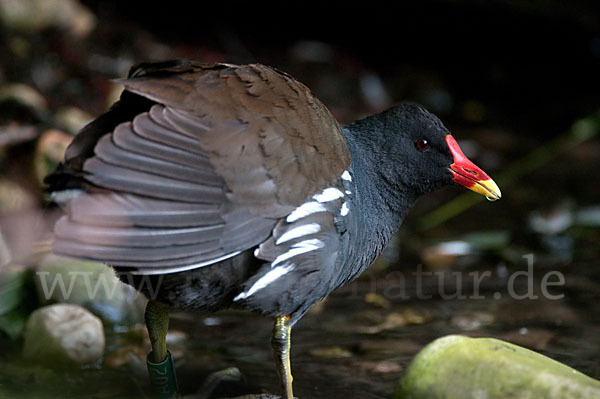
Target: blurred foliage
{"x":16,"y":301}
{"x":580,"y":132}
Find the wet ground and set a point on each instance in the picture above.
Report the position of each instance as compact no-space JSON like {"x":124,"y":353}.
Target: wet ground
{"x":357,"y":343}
{"x":516,"y":110}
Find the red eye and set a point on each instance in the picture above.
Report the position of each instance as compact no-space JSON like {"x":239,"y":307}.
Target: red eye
{"x":422,"y":144}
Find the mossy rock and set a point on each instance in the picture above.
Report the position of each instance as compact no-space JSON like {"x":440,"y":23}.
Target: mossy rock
{"x":458,"y":367}
{"x":89,"y":284}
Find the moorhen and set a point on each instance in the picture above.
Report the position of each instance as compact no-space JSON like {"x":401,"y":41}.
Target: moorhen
{"x":211,"y":186}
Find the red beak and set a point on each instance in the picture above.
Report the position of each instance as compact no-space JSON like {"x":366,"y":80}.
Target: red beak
{"x":469,"y":175}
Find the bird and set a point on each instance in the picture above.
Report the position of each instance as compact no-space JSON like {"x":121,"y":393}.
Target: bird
{"x":214,"y":186}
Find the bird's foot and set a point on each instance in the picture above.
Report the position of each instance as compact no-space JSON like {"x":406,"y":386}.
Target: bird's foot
{"x":230,"y":374}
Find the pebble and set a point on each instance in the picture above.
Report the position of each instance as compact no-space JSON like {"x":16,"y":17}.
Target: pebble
{"x":63,"y":334}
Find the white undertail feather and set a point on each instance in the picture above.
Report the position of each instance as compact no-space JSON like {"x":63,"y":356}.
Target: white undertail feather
{"x":265,"y":280}
{"x":278,"y":271}
{"x":298,"y":249}
{"x":303,"y":230}
{"x":308,"y":208}
{"x":346,"y":176}
{"x":329,"y":194}
{"x":345,"y":209}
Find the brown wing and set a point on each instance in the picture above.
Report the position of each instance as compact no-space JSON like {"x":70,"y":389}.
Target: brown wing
{"x":205,"y":173}
{"x":273,"y":143}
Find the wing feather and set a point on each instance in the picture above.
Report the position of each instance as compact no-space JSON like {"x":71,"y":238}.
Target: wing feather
{"x":109,"y":153}
{"x":219,"y":156}
{"x":151,"y":185}
{"x":152,"y":127}
{"x":125,"y":210}
{"x":123,"y":138}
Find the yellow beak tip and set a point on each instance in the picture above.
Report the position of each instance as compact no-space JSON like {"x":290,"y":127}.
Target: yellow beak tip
{"x":488,"y":188}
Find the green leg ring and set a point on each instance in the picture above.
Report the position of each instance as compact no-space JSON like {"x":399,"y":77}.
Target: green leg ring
{"x":163,"y":378}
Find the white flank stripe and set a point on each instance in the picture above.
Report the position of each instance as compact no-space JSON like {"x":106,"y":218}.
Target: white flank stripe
{"x":346,"y":176}
{"x":345,"y":210}
{"x":304,"y":230}
{"x":304,"y":210}
{"x":298,"y":249}
{"x":329,"y":194}
{"x":265,"y":280}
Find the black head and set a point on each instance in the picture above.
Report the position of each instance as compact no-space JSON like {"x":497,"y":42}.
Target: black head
{"x":416,"y":153}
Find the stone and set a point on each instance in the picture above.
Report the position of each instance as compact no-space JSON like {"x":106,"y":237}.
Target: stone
{"x":89,"y":284}
{"x":63,"y":334}
{"x":458,"y":367}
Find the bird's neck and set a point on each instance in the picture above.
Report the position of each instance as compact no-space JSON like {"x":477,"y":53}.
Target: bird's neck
{"x":381,"y":202}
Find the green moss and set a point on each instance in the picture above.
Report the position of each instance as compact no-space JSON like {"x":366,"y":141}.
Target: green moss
{"x":457,"y":367}
{"x":92,"y":285}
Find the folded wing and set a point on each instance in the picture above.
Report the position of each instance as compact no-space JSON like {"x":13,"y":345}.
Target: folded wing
{"x":206,"y":172}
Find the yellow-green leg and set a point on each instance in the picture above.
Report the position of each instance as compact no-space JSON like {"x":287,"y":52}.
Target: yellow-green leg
{"x":160,"y":363}
{"x":281,"y":342}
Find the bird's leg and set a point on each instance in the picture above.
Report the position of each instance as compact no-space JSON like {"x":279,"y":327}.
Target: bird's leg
{"x":160,"y":363}
{"x":157,"y":323}
{"x":281,"y":343}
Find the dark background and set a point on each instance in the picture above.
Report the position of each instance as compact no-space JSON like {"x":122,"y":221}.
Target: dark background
{"x":531,"y":61}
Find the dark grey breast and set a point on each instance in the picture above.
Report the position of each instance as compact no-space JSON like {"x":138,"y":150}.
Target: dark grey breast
{"x":218,"y":157}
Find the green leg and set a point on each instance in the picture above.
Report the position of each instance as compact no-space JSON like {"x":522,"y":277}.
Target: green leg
{"x":160,"y":363}
{"x":280,"y":340}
